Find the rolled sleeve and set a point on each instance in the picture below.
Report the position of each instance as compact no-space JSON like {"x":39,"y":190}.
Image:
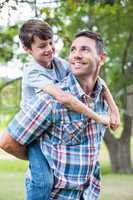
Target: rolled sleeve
{"x":30,"y":123}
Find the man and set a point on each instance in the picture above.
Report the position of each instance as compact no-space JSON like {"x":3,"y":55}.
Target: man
{"x":72,"y":143}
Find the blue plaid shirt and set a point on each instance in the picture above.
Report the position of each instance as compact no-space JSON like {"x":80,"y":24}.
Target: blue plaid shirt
{"x":71,"y":142}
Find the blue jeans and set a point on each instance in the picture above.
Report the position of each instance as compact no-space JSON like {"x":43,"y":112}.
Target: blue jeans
{"x":40,"y":184}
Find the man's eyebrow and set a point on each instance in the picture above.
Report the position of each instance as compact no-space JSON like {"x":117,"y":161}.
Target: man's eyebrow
{"x":72,"y":46}
{"x":85,"y":47}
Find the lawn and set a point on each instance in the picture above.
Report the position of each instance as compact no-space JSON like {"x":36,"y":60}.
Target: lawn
{"x":117,"y":187}
{"x":114,"y":187}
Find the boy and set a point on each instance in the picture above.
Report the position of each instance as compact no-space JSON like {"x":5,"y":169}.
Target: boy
{"x":40,"y":74}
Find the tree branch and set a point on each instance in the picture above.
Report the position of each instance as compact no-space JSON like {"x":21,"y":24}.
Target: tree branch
{"x":3,"y":3}
{"x":127,"y":130}
{"x":108,"y":137}
{"x":125,"y":52}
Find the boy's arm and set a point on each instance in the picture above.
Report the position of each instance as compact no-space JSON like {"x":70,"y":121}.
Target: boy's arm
{"x":114,"y":111}
{"x":70,"y":101}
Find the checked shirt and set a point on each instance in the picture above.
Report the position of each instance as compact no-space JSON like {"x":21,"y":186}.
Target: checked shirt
{"x":69,"y":141}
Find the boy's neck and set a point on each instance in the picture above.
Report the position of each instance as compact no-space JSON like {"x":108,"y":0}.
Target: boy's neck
{"x":46,"y":66}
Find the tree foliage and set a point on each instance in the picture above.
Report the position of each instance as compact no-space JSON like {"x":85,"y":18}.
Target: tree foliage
{"x":7,"y":43}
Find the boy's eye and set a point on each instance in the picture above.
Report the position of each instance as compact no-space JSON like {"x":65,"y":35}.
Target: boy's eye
{"x":41,"y":47}
{"x":51,"y":43}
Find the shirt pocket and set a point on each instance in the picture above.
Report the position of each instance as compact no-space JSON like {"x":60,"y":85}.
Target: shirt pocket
{"x":73,"y":133}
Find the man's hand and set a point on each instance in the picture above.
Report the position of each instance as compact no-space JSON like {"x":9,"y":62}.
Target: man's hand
{"x":8,"y":144}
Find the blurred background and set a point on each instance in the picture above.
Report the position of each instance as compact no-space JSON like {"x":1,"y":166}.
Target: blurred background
{"x":114,"y":20}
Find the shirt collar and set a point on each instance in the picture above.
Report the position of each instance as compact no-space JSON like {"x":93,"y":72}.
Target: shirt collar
{"x":97,"y":90}
{"x":74,"y":86}
{"x":77,"y":91}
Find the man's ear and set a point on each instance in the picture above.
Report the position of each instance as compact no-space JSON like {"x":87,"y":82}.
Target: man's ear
{"x":26,"y":49}
{"x":102,"y":59}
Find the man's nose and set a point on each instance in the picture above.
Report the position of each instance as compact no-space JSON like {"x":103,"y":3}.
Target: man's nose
{"x":77,"y":54}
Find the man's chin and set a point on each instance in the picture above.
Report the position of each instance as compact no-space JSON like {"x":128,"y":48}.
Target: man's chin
{"x":82,"y":74}
{"x":78,"y":74}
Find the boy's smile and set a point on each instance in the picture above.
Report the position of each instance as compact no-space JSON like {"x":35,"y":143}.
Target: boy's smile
{"x":42,"y":51}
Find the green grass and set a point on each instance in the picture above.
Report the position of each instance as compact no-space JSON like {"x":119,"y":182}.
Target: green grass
{"x":117,"y":187}
{"x":13,"y":166}
{"x":12,"y":174}
{"x":11,"y":185}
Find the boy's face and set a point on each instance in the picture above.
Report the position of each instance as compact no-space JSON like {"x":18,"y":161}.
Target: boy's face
{"x":84,"y":58}
{"x":42,"y":51}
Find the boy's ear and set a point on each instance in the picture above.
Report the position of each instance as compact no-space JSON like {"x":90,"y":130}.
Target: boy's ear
{"x":102,"y":59}
{"x":26,"y":49}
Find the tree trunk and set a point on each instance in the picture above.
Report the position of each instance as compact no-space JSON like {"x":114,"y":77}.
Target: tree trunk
{"x":119,"y":149}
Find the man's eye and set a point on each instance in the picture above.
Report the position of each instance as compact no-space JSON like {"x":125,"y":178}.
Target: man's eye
{"x":72,"y":49}
{"x":86,"y":49}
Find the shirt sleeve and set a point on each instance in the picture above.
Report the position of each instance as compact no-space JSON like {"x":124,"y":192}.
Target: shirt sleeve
{"x":37,"y":79}
{"x":30,"y":123}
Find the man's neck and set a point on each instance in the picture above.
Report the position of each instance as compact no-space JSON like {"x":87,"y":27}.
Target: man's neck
{"x":87,"y":83}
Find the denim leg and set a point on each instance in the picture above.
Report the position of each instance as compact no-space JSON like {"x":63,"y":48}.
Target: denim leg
{"x":39,"y":186}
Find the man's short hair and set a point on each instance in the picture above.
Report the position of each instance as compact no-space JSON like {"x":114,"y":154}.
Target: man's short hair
{"x":95,"y":36}
{"x":34,"y":27}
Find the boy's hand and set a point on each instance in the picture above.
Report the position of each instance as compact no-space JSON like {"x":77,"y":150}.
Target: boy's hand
{"x":114,"y":119}
{"x":105,"y":120}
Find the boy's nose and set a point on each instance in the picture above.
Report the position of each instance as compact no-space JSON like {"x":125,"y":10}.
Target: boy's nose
{"x":49,"y":48}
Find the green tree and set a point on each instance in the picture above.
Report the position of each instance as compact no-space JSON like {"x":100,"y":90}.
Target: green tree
{"x":7,"y":43}
{"x":9,"y":100}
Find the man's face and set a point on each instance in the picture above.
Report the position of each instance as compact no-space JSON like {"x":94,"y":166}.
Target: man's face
{"x":83,"y":56}
{"x":42,"y":51}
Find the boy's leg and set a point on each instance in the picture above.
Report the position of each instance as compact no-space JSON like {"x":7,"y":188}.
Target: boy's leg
{"x":40,"y":184}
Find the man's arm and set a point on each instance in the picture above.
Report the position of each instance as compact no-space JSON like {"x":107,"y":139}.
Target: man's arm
{"x":26,"y":126}
{"x":8,"y":144}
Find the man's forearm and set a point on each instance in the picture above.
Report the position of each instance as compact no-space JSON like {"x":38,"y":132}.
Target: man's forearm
{"x":11,"y":146}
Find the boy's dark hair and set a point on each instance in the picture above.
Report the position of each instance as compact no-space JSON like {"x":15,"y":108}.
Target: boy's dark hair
{"x":95,"y":36}
{"x":34,"y":27}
